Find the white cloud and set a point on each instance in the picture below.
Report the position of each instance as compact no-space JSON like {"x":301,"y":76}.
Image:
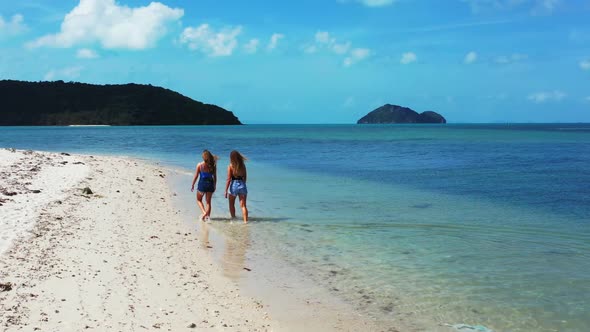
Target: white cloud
{"x":341,"y":48}
{"x":274,"y":41}
{"x":376,"y":3}
{"x":546,"y":96}
{"x":323,"y":37}
{"x":545,"y":6}
{"x":86,"y":53}
{"x":360,"y":53}
{"x":585,"y":64}
{"x":408,"y":58}
{"x":356,"y":55}
{"x":502,"y":59}
{"x":112,"y":25}
{"x":68,"y":73}
{"x":506,"y":59}
{"x":252,"y":46}
{"x":535,"y":7}
{"x":211,"y":42}
{"x":470,"y":57}
{"x":14,"y":26}
{"x":323,"y":40}
{"x":310,"y":49}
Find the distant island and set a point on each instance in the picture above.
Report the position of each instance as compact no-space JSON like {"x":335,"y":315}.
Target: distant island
{"x":62,"y":104}
{"x":398,"y":114}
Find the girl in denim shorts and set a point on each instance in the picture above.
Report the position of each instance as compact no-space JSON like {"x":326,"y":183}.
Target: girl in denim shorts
{"x":236,"y":184}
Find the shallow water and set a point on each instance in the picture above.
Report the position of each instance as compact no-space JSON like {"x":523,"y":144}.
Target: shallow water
{"x":458,"y":224}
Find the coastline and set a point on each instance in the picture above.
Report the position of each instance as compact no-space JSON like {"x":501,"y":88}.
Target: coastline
{"x":126,"y":257}
{"x":292,"y":299}
{"x":120,"y":258}
{"x":424,"y":249}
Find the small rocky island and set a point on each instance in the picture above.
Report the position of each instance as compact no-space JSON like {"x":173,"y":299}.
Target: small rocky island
{"x":398,"y":114}
{"x":62,"y":104}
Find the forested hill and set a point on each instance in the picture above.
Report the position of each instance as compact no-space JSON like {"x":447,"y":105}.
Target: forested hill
{"x":398,"y":114}
{"x":59,"y":103}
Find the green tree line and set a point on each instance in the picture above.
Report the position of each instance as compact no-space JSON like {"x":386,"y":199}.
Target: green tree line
{"x":70,"y":103}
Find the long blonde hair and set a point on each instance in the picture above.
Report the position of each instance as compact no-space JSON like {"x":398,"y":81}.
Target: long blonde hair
{"x":210,"y":160}
{"x":236,"y":162}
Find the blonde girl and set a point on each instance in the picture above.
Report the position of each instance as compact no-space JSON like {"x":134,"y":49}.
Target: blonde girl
{"x":236,"y":184}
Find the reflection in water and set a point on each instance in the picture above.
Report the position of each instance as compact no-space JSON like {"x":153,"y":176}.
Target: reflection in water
{"x":204,"y":231}
{"x":237,"y":242}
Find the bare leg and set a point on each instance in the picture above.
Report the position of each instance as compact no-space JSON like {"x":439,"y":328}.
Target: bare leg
{"x":232,"y":205}
{"x":244,"y":208}
{"x":208,"y":198}
{"x":200,"y":203}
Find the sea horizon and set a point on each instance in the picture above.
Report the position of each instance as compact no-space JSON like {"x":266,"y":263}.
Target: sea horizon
{"x":326,"y":123}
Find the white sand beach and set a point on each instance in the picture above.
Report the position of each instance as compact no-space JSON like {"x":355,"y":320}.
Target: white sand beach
{"x":117,"y":259}
{"x":120,"y":258}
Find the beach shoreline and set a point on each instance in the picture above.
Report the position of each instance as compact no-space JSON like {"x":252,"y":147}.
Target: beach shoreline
{"x":418,"y":236}
{"x":294,"y":300}
{"x":117,"y":258}
{"x":126,"y":257}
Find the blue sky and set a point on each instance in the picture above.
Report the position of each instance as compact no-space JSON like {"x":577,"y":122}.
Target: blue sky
{"x":322,"y":61}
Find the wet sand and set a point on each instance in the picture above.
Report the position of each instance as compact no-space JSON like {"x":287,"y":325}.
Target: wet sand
{"x":126,"y":256}
{"x":291,"y":298}
{"x":119,"y":258}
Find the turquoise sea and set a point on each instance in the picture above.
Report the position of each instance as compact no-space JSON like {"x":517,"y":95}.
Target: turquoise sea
{"x":484,"y":225}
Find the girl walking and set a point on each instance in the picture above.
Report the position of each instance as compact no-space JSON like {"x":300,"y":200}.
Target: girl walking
{"x":236,"y":184}
{"x":207,"y":174}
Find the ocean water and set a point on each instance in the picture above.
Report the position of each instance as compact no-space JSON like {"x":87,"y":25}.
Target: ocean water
{"x":434,"y":225}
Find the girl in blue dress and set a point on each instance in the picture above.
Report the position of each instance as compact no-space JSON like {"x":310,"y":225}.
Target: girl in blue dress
{"x":207,"y":174}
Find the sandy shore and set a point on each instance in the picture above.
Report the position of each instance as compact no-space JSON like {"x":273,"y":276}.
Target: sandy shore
{"x":119,"y":259}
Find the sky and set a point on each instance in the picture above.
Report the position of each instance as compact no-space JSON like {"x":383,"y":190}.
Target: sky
{"x":318,"y":61}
